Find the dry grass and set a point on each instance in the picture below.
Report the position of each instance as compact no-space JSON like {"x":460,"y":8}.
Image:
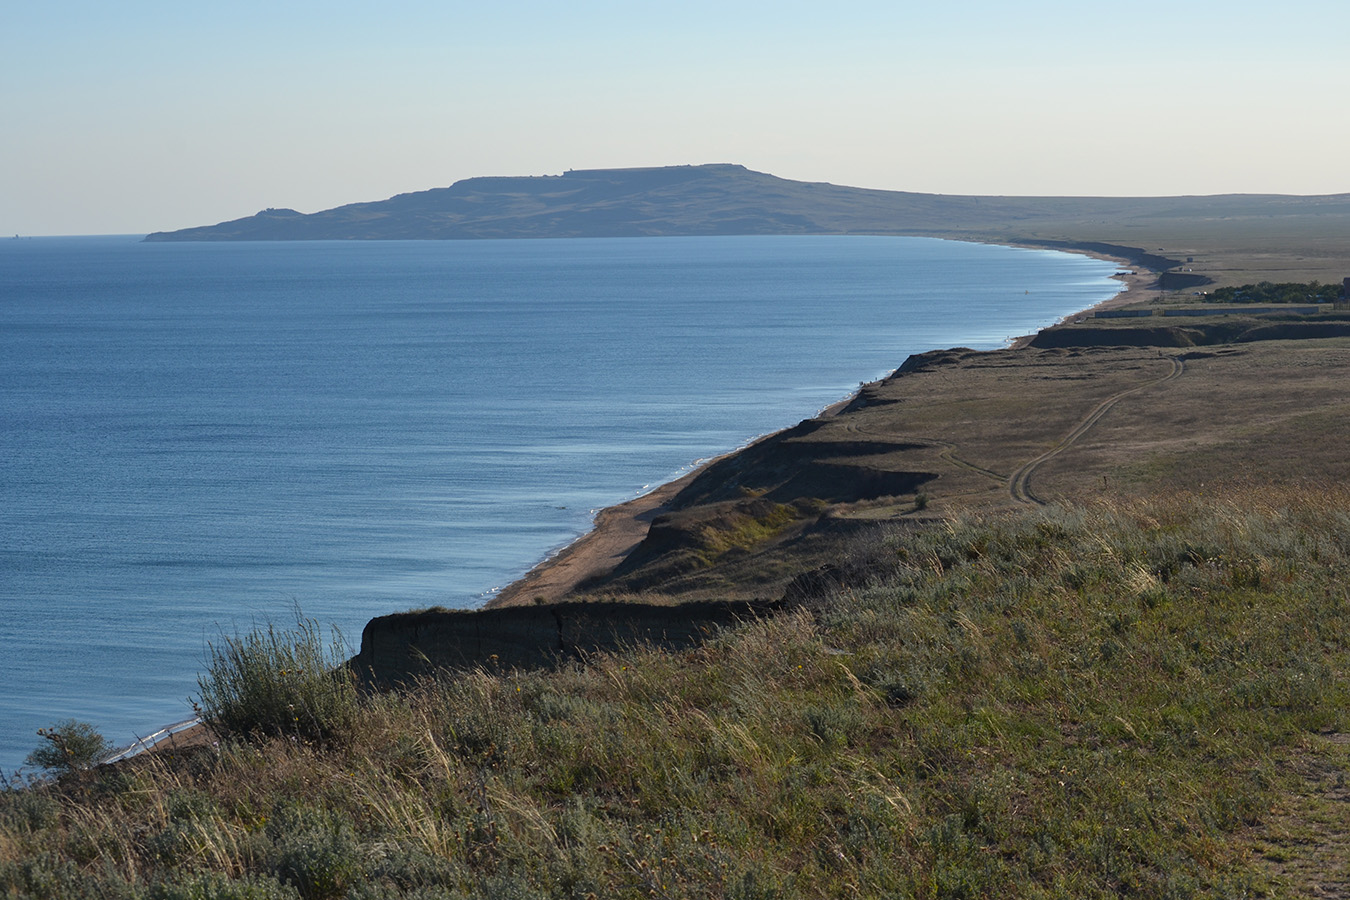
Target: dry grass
{"x":1080,"y":702}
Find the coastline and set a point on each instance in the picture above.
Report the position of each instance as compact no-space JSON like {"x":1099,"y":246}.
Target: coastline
{"x":1136,"y":279}
{"x":617,"y":530}
{"x":576,"y":548}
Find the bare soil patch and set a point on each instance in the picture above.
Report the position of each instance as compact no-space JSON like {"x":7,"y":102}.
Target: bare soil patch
{"x":1305,"y":842}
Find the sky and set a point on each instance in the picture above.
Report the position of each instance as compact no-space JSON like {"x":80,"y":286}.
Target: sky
{"x":141,"y":115}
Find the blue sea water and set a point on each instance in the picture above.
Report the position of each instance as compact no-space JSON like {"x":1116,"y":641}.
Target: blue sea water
{"x":195,"y":438}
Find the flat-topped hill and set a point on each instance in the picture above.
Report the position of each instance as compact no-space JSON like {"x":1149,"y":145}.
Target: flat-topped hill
{"x":723,"y":199}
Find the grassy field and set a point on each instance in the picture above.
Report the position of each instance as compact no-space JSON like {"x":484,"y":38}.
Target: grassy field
{"x":1139,"y":697}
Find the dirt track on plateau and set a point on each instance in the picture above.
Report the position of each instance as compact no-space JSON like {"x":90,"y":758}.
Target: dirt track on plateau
{"x":1019,"y":485}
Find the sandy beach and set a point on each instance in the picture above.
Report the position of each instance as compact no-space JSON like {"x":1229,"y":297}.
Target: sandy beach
{"x":617,"y":530}
{"x":614,"y":534}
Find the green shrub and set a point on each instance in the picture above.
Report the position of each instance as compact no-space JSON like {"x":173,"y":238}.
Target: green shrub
{"x":833,"y":724}
{"x":51,"y":876}
{"x":210,"y":886}
{"x":70,"y":746}
{"x":278,"y":683}
{"x":316,"y":854}
{"x":27,"y":811}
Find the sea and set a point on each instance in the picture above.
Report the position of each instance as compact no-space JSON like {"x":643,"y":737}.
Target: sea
{"x":197,"y":439}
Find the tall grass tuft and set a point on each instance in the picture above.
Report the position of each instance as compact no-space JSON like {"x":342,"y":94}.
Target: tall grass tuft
{"x":279,"y":683}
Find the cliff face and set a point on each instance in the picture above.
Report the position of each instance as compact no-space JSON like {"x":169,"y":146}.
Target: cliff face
{"x":1234,"y":329}
{"x":404,"y":646}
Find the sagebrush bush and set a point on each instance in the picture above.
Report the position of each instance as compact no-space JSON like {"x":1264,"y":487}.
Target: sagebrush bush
{"x":70,"y":746}
{"x":211,"y":886}
{"x":279,"y":683}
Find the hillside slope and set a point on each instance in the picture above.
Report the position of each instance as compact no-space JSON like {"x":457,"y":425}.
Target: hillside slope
{"x":1142,"y":699}
{"x":725,"y":199}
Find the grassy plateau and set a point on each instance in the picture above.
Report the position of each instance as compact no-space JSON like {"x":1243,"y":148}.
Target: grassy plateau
{"x":1139,"y":698}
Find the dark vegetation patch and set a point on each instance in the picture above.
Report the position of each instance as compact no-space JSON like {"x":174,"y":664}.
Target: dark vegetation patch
{"x":1284,"y":292}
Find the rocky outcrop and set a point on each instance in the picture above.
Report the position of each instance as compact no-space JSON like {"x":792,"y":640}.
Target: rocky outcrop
{"x":1150,"y":336}
{"x":405,"y":646}
{"x":1296,"y":331}
{"x":1236,"y":329}
{"x":810,"y":460}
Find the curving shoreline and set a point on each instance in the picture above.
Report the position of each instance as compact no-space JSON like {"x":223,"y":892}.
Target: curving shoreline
{"x":107,"y":708}
{"x":617,"y":530}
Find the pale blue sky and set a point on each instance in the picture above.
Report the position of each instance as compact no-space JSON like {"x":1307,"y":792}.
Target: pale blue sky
{"x":140,"y":116}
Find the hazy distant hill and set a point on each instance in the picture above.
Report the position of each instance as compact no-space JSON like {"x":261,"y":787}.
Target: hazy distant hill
{"x":730,"y":199}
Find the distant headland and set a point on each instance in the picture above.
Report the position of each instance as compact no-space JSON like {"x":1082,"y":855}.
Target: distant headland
{"x":725,"y":199}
